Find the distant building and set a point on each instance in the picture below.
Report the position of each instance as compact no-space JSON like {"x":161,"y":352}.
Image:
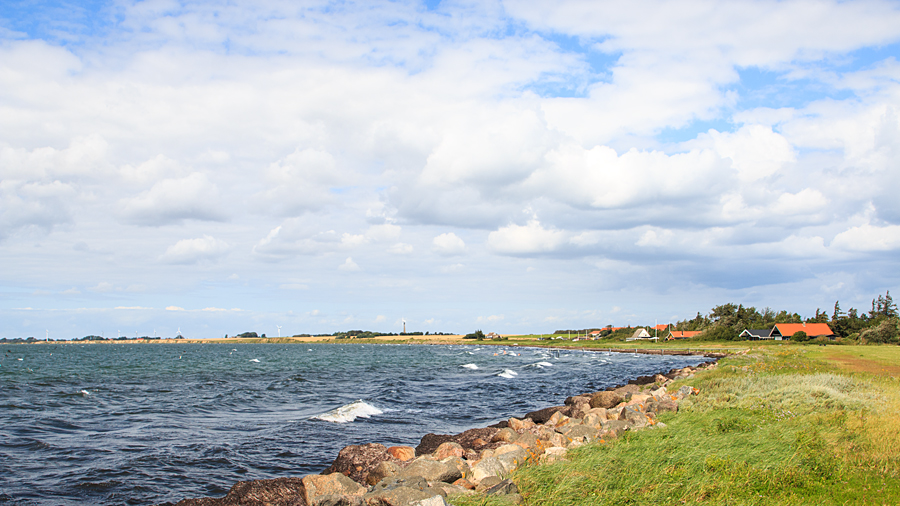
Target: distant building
{"x":682,"y":334}
{"x":784,"y":331}
{"x":756,"y":334}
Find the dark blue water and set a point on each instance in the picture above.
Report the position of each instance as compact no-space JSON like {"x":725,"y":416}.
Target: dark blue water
{"x":148,"y":423}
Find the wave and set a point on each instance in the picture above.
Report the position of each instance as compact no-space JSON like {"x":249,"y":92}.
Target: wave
{"x":254,"y":360}
{"x":349,"y":412}
{"x":508,"y":374}
{"x":540,"y":365}
{"x":469,"y":366}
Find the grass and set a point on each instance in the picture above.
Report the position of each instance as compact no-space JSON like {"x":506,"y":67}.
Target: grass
{"x":780,"y":425}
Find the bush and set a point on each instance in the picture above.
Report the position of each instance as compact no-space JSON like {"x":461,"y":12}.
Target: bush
{"x":885,"y":332}
{"x":479,"y":335}
{"x":800,"y":337}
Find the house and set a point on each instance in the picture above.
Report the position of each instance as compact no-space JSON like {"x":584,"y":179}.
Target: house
{"x":682,"y":334}
{"x":640,"y":334}
{"x":661,"y":327}
{"x":756,"y":334}
{"x":492,"y":335}
{"x":784,"y":331}
{"x":595,"y":333}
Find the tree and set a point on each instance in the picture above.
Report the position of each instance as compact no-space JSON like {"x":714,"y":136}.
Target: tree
{"x":478,"y":334}
{"x":838,"y":314}
{"x":800,"y":337}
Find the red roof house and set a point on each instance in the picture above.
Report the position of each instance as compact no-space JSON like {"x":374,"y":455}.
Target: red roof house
{"x":783,"y":331}
{"x":682,"y":334}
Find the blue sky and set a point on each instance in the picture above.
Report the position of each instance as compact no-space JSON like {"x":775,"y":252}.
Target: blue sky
{"x":513,"y":166}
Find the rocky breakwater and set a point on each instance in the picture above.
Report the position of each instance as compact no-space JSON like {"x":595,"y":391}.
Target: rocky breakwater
{"x":474,"y":461}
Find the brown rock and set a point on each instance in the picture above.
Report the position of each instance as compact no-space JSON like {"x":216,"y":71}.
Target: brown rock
{"x":576,"y":399}
{"x":382,"y":471}
{"x":276,"y":492}
{"x":474,"y":439}
{"x":464,"y":483}
{"x":355,"y":461}
{"x":506,"y":435}
{"x":431,"y":470}
{"x":316,"y":485}
{"x":542,"y":415}
{"x":605,"y":400}
{"x":402,"y":453}
{"x":450,"y":449}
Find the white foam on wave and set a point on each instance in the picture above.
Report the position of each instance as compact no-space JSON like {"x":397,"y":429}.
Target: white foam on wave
{"x":544,"y":364}
{"x":469,"y":366}
{"x":508,"y":374}
{"x":349,"y":412}
{"x":85,"y":393}
{"x":254,"y":360}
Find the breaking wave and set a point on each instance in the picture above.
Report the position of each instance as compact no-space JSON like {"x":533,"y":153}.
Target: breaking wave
{"x":349,"y":412}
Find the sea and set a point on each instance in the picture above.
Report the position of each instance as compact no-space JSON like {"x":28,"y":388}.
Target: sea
{"x":103,"y":423}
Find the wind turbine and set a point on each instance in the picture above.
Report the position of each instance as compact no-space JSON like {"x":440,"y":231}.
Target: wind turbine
{"x":279,"y":330}
{"x":178,"y":333}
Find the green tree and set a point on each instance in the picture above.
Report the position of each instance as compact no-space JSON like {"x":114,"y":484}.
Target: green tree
{"x":800,"y":337}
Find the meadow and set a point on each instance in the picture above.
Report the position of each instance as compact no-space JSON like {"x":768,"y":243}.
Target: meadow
{"x":787,"y":424}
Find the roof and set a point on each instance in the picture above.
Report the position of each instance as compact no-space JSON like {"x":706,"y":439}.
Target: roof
{"x":757,"y":332}
{"x":640,"y":333}
{"x":683,"y":334}
{"x":661,"y":326}
{"x":811,"y":329}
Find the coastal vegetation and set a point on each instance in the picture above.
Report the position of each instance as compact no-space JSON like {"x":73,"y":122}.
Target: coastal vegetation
{"x":788,"y":425}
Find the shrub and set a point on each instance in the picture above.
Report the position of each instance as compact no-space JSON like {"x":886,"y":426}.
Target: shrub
{"x":479,"y":335}
{"x":800,"y":337}
{"x":885,"y":332}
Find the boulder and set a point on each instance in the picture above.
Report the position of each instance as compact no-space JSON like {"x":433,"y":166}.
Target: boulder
{"x":487,"y":483}
{"x":577,"y":399}
{"x":431,"y":501}
{"x":486,"y":467}
{"x":636,"y":419}
{"x":472,"y":439}
{"x":275,"y":492}
{"x":460,"y":464}
{"x":505,"y":487}
{"x":355,"y":461}
{"x":520,"y":425}
{"x":450,"y":449}
{"x":464,"y":483}
{"x":605,"y":400}
{"x":557,"y":419}
{"x":594,"y":420}
{"x":382,"y":471}
{"x":402,"y":453}
{"x":506,"y":435}
{"x":581,"y":431}
{"x":542,"y":415}
{"x":398,"y":496}
{"x":431,"y":470}
{"x":527,"y":441}
{"x":335,"y":484}
{"x":627,"y":389}
{"x":614,"y":427}
{"x":512,"y":459}
{"x":339,"y":500}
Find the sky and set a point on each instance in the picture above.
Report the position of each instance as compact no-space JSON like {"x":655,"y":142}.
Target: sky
{"x":287,"y":167}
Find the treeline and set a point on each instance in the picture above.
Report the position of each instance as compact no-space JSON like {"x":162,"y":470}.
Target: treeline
{"x":727,"y":321}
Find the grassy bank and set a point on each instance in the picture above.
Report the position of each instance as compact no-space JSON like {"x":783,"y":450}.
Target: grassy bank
{"x":780,"y":425}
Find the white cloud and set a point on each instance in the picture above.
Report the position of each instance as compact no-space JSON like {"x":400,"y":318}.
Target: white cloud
{"x":193,"y":197}
{"x":525,"y":239}
{"x":174,"y":308}
{"x":448,"y":244}
{"x":401,"y":249}
{"x":189,"y":251}
{"x":349,"y":265}
{"x":102,"y":287}
{"x":868,"y":238}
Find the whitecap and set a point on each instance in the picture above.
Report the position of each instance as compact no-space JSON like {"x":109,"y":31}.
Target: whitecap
{"x":85,"y":393}
{"x":254,"y":360}
{"x":469,"y":366}
{"x":508,"y":374}
{"x":349,"y":412}
{"x":544,"y":364}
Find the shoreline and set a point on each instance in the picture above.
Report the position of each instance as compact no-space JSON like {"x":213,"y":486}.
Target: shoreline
{"x":350,"y":476}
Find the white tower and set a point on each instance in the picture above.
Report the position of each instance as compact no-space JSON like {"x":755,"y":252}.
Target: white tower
{"x":279,"y":330}
{"x":404,"y":324}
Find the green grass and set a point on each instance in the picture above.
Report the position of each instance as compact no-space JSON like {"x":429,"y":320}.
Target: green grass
{"x":772,"y":427}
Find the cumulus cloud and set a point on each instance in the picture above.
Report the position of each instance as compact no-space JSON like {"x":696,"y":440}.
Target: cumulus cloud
{"x":349,"y":265}
{"x":449,"y":243}
{"x":189,"y":251}
{"x":169,"y":201}
{"x":526,"y":239}
{"x":869,"y":238}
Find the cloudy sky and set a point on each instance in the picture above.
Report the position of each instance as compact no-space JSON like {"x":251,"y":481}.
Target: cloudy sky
{"x":226,"y":165}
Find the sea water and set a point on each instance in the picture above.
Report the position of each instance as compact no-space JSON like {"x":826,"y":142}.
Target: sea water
{"x":148,"y":423}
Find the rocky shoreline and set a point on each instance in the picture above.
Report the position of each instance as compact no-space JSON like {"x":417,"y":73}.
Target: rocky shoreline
{"x":474,"y":461}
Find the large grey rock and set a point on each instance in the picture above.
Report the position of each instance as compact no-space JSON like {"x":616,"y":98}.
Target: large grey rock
{"x":605,"y":400}
{"x":382,"y":471}
{"x":339,"y":500}
{"x":635,"y":418}
{"x":542,"y":415}
{"x":431,"y":501}
{"x":511,"y":460}
{"x":335,"y":484}
{"x":400,"y":496}
{"x":505,"y":487}
{"x":431,"y":470}
{"x":615,"y":427}
{"x":581,"y":431}
{"x":472,"y":439}
{"x":486,"y":467}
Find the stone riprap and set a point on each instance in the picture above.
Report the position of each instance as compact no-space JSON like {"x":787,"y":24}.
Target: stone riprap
{"x":474,"y":461}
